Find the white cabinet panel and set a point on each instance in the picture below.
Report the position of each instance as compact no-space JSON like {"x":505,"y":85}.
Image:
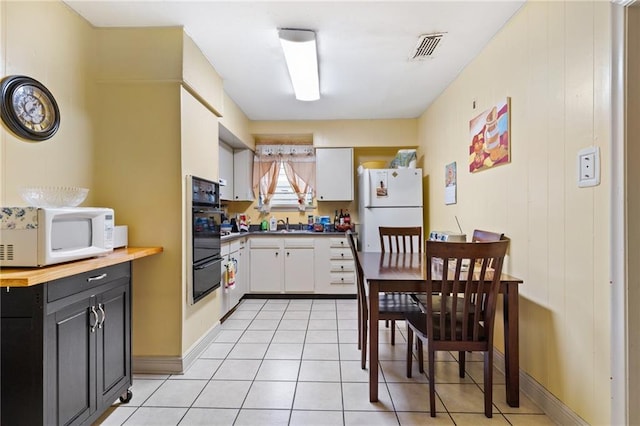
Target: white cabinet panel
{"x":267,"y":270}
{"x":298,"y":270}
{"x":226,"y":171}
{"x":334,"y":174}
{"x":243,"y":175}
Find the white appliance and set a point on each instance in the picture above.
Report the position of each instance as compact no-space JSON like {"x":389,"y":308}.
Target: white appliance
{"x":388,"y":197}
{"x":33,"y":236}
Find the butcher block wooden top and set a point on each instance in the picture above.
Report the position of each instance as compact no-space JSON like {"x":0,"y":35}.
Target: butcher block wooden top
{"x":24,"y":277}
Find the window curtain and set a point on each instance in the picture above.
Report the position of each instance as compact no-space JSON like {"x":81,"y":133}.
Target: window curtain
{"x":301,"y":173}
{"x":265,"y":178}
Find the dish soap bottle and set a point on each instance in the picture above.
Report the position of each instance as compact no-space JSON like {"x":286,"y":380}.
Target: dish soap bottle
{"x":273,"y":224}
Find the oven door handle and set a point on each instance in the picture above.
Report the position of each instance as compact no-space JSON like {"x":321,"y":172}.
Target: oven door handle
{"x":206,"y":265}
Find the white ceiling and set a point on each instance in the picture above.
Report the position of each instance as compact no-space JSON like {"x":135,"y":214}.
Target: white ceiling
{"x":363,"y":49}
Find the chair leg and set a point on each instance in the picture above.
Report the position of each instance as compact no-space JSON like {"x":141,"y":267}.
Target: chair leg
{"x":488,"y":383}
{"x":420,"y":356}
{"x":393,"y":332}
{"x":432,"y":383}
{"x":359,"y":325}
{"x":409,"y":350}
{"x":461,"y":362}
{"x":363,"y":350}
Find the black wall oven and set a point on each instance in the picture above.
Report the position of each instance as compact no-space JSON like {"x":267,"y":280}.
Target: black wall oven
{"x":206,"y":218}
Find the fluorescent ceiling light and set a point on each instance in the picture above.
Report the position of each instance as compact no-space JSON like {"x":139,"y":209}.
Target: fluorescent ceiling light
{"x":302,"y":61}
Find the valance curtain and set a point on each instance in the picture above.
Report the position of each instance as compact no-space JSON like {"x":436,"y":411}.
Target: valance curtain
{"x":299,"y":166}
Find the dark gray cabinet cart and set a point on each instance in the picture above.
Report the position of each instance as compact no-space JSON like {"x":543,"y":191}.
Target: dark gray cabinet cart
{"x":66,"y":348}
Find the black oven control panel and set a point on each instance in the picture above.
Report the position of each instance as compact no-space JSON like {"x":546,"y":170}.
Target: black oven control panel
{"x":205,"y":192}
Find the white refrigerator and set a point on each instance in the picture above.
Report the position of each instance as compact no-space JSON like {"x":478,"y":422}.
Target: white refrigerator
{"x":388,"y":197}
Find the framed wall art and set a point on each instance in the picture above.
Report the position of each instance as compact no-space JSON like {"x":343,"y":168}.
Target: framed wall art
{"x":490,"y":138}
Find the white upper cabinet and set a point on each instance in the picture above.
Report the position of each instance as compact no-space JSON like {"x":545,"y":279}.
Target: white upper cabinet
{"x":334,"y":174}
{"x":226,"y":171}
{"x":243,"y":175}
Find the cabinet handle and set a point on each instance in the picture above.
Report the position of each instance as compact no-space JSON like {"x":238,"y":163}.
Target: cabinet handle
{"x":97,"y":278}
{"x":342,"y":254}
{"x":104,"y":315}
{"x":276,"y":254}
{"x":93,"y":311}
{"x":288,"y":253}
{"x":342,"y":267}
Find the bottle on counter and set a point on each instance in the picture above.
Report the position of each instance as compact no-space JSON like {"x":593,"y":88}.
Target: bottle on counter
{"x":347,"y":219}
{"x":341,"y":218}
{"x":336,"y":219}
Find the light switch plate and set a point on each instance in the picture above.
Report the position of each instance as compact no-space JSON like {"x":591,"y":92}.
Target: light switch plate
{"x":588,"y":167}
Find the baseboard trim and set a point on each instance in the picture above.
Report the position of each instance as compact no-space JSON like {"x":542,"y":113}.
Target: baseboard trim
{"x":552,"y":406}
{"x":297,"y":296}
{"x":174,"y":364}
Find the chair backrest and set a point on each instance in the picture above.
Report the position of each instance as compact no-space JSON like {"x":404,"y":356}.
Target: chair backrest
{"x":468,"y":288}
{"x":400,"y":239}
{"x":359,"y":272}
{"x":480,"y":236}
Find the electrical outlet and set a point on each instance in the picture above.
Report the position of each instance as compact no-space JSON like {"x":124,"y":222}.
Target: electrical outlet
{"x":588,"y":167}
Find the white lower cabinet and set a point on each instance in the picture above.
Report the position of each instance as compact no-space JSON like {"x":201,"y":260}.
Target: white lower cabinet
{"x":282,"y":265}
{"x":299,"y":265}
{"x":233,"y":253}
{"x":335,"y":267}
{"x":267,"y":265}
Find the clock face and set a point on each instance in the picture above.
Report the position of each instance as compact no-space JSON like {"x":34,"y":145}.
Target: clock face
{"x":29,"y":109}
{"x":33,"y":108}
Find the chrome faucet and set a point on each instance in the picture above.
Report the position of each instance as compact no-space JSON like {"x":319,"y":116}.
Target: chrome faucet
{"x":286,"y":224}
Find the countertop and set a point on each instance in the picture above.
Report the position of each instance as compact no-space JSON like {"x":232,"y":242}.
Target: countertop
{"x":280,"y":233}
{"x":24,"y":277}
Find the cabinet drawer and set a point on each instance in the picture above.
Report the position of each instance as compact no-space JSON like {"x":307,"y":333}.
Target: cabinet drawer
{"x":337,"y":266}
{"x":341,"y":254}
{"x":303,"y":242}
{"x":340,"y":242}
{"x":234,"y":246}
{"x":265,"y":243}
{"x":342,"y":278}
{"x":87,"y":280}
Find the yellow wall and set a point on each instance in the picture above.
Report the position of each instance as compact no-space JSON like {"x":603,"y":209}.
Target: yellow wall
{"x":55,"y":49}
{"x":553,"y":60}
{"x":345,"y":133}
{"x":155,"y":130}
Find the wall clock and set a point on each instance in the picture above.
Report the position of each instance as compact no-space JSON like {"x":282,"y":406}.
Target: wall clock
{"x":28,"y":108}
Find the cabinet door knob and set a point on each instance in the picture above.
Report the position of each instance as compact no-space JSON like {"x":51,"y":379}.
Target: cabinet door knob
{"x":95,"y":314}
{"x":276,"y":253}
{"x":104,"y":315}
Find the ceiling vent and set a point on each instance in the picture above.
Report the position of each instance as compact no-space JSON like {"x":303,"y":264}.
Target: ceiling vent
{"x":425,"y":46}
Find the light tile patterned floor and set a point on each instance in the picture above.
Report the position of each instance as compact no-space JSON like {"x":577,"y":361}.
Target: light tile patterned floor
{"x":296,"y":362}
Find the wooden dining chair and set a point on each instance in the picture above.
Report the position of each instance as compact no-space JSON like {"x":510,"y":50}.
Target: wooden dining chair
{"x":399,"y":239}
{"x":478,"y":236}
{"x":392,"y":306}
{"x":466,"y":301}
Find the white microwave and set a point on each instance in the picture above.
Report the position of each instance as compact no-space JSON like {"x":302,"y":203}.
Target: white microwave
{"x":31,"y":236}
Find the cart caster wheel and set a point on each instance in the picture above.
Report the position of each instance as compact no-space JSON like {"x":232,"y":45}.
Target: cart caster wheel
{"x":127,"y":397}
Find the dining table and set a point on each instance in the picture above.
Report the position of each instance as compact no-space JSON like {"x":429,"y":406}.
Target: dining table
{"x":406,"y":272}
